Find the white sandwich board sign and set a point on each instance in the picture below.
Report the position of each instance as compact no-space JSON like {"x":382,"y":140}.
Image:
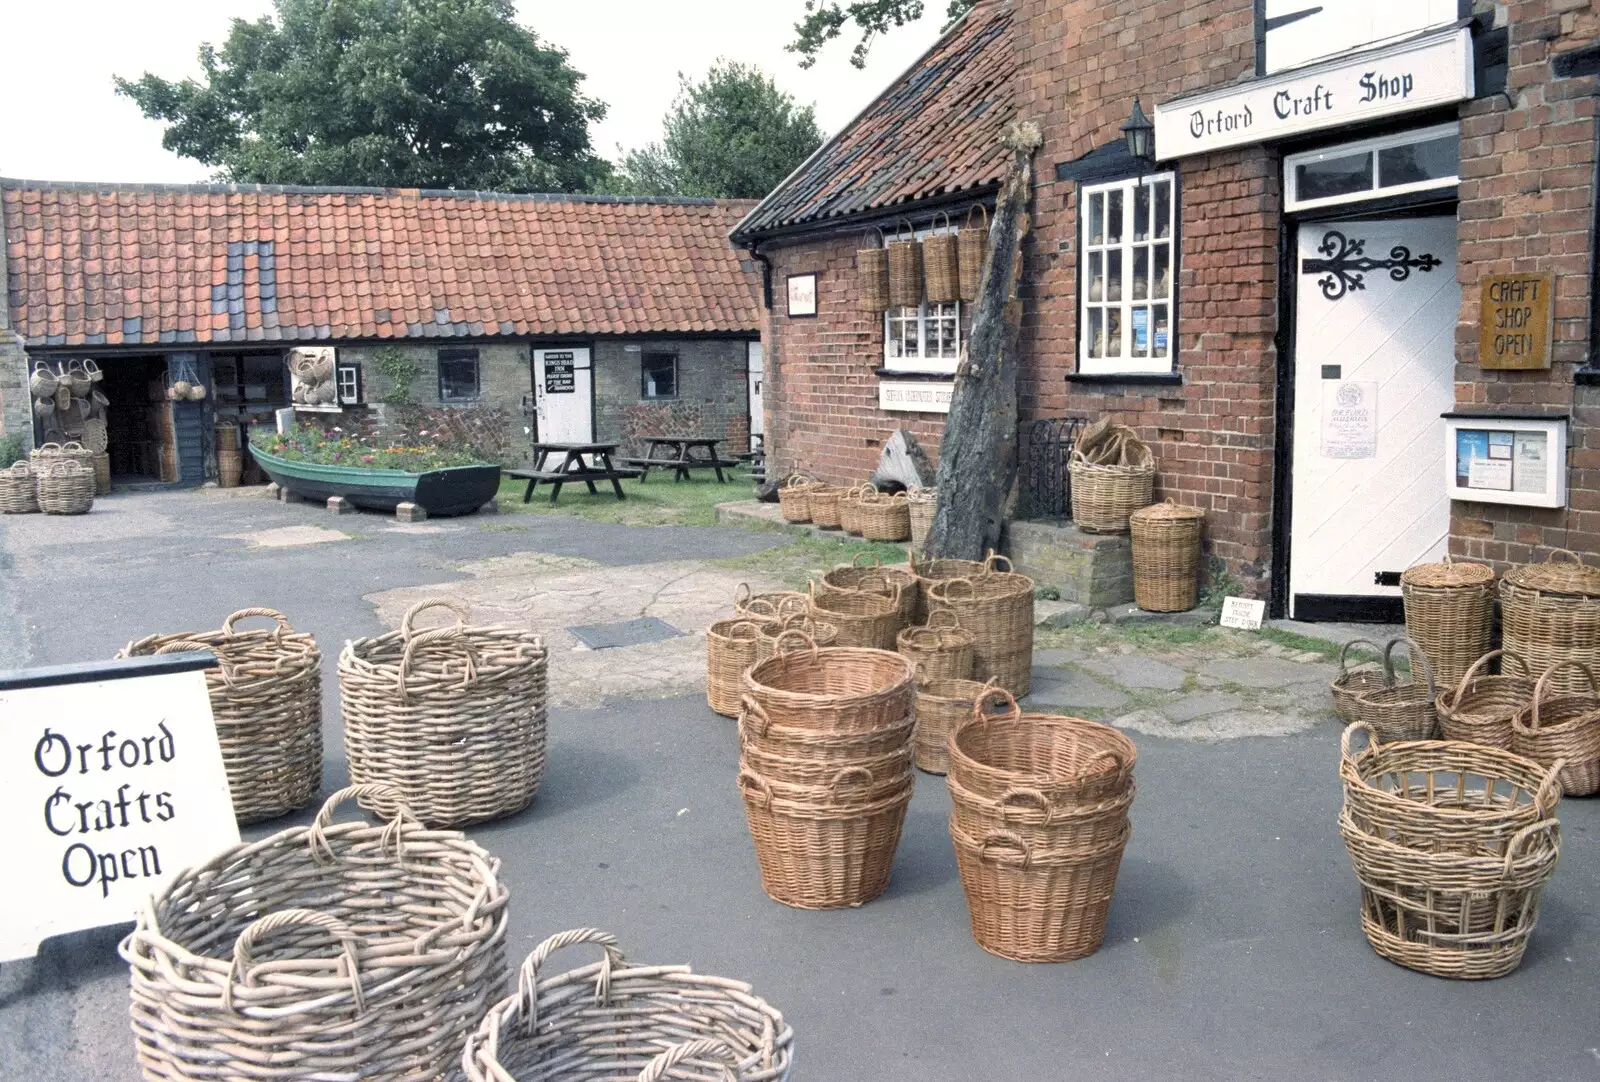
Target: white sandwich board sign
{"x":111,"y":783}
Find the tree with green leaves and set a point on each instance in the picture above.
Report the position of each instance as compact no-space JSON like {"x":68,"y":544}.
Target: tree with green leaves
{"x":733,"y":135}
{"x":402,"y":93}
{"x":826,"y":20}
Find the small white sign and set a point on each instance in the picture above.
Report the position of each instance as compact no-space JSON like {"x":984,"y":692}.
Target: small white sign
{"x":110,"y":789}
{"x":1242,"y":613}
{"x":1435,"y":69}
{"x":1349,"y":418}
{"x":802,"y":295}
{"x":915,"y":396}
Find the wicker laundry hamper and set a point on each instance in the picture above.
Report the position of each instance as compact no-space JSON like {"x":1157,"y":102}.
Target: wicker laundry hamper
{"x":941,"y":264}
{"x":905,"y":269}
{"x":266,"y":697}
{"x":1043,"y":823}
{"x":1166,"y":556}
{"x":792,"y":499}
{"x":1351,"y":683}
{"x":872,"y":276}
{"x":335,"y":950}
{"x":613,"y":1020}
{"x":923,"y":503}
{"x":1480,"y":708}
{"x":767,"y":633}
{"x":1103,"y":496}
{"x":731,"y":647}
{"x":884,"y":517}
{"x":771,"y":605}
{"x":822,"y":501}
{"x":1550,"y":612}
{"x":1449,"y":613}
{"x":1563,"y":729}
{"x":453,"y":718}
{"x":997,"y":607}
{"x":1402,"y":711}
{"x":942,"y":704}
{"x":62,"y":486}
{"x":874,"y":578}
{"x":17,"y":495}
{"x":862,"y":619}
{"x":941,"y":649}
{"x":1068,"y":760}
{"x":972,"y":248}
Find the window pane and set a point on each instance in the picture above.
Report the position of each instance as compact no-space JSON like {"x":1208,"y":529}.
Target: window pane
{"x":1436,"y":159}
{"x":1163,"y":192}
{"x":1097,"y":277}
{"x":1141,"y":212}
{"x":1336,"y":176}
{"x":458,"y":375}
{"x":659,"y":374}
{"x":1161,"y":275}
{"x":1160,"y":347}
{"x":1114,"y":332}
{"x":1140,"y":319}
{"x":1097,"y":332}
{"x":1114,"y":276}
{"x":1097,"y":212}
{"x":1141,"y":273}
{"x":1114,"y":216}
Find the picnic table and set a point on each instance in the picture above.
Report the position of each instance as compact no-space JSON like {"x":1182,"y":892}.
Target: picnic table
{"x":678,"y":454}
{"x":573,"y":468}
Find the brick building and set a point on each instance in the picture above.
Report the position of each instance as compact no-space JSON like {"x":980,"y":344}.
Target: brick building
{"x":507,"y":316}
{"x":1285,"y":301}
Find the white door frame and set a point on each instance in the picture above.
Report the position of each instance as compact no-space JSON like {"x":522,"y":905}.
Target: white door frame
{"x":583,"y":384}
{"x":755,"y":380}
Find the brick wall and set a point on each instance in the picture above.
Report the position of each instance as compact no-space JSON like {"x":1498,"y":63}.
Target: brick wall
{"x":1526,"y":171}
{"x":713,"y":392}
{"x":16,"y":416}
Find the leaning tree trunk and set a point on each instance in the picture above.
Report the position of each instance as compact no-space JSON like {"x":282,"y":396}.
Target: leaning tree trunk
{"x":978,"y":455}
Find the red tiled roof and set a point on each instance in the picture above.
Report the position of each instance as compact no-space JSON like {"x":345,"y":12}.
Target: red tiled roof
{"x":131,"y":265}
{"x":935,"y":131}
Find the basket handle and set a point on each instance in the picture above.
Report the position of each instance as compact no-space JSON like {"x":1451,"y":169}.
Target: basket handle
{"x":869,"y":555}
{"x":923,"y":638}
{"x":749,"y":778}
{"x":742,"y":593}
{"x":1573,"y":557}
{"x":1538,"y":689}
{"x":980,"y":209}
{"x":994,"y":558}
{"x":1350,"y":731}
{"x":1521,"y":837}
{"x":241,"y":972}
{"x":407,"y":630}
{"x":850,"y":773}
{"x":784,"y":636}
{"x":1416,"y":655}
{"x":1511,"y":655}
{"x":947,"y":614}
{"x":316,"y":834}
{"x":911,"y":560}
{"x":657,"y":1068}
{"x":883,"y":241}
{"x":787,"y":605}
{"x":744,"y":625}
{"x":1026,"y":795}
{"x":1466,"y":677}
{"x":1006,"y":839}
{"x":942,"y":589}
{"x":1549,"y":792}
{"x":1013,"y":712}
{"x":246,"y":614}
{"x":186,"y":646}
{"x":753,"y":710}
{"x":1344,"y":652}
{"x":528,"y":974}
{"x":469,"y":673}
{"x":758,"y":606}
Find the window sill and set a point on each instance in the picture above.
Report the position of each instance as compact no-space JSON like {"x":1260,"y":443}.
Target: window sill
{"x":1164,"y":379}
{"x":915,"y":373}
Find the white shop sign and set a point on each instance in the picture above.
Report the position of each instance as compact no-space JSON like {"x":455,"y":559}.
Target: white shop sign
{"x":1435,"y":69}
{"x":111,"y":783}
{"x":915,"y":396}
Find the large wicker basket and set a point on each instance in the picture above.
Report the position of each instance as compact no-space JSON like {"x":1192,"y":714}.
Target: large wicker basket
{"x":1166,"y":556}
{"x":1402,"y":711}
{"x":1480,"y":708}
{"x":905,"y":270}
{"x":997,"y":607}
{"x":839,"y":690}
{"x":1069,"y":761}
{"x":1104,"y":496}
{"x":942,"y":704}
{"x":613,"y":1020}
{"x":941,"y":649}
{"x":453,"y":718}
{"x":792,"y":499}
{"x":266,"y":697}
{"x":850,"y":508}
{"x":941,"y":266}
{"x":872,"y":276}
{"x":62,"y":486}
{"x":1550,"y":612}
{"x":348,"y":950}
{"x":767,"y":633}
{"x":929,"y":571}
{"x":822,"y":501}
{"x":884,"y":517}
{"x":1563,"y":729}
{"x":16,"y":490}
{"x":1449,"y":613}
{"x":862,"y":619}
{"x":873,"y":578}
{"x":731,"y":648}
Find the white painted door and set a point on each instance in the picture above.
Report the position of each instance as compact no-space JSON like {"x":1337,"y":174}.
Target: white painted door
{"x":755,"y":368}
{"x":1376,"y":304}
{"x":563,"y":389}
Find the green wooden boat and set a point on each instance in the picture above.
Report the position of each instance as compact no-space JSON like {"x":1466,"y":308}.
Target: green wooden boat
{"x":458,"y":490}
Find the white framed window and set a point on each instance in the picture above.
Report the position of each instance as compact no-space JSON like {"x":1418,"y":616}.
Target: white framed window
{"x":1126,"y":268}
{"x":926,"y":338}
{"x":1413,"y":161}
{"x":349,"y":377}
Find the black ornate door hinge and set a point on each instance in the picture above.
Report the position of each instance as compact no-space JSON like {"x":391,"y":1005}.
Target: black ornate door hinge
{"x":1346,"y":264}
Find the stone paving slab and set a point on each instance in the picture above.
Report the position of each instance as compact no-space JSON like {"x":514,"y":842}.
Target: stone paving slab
{"x":1137,"y":671}
{"x":1267,"y":672}
{"x":1071,"y":688}
{"x":1199,"y":706}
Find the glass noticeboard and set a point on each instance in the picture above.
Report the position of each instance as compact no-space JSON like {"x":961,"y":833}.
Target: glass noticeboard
{"x":1507,"y":460}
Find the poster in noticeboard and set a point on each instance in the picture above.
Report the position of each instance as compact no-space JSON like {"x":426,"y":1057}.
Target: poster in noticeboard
{"x":1507,"y":460}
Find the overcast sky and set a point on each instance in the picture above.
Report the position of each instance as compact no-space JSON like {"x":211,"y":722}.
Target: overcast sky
{"x":60,"y":120}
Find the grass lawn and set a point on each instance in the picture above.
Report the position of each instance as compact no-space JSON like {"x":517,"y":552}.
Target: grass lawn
{"x":660,"y":501}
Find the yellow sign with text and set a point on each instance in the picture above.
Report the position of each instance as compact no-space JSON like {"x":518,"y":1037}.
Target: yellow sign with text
{"x":1516,"y":320}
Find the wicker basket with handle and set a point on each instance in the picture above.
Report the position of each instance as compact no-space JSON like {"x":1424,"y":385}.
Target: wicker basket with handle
{"x":941,"y":265}
{"x":731,"y":647}
{"x":808,"y":749}
{"x":767,"y":633}
{"x":1550,"y":612}
{"x":972,"y":248}
{"x":839,"y":690}
{"x":1352,"y":683}
{"x":884,"y":517}
{"x":453,"y":718}
{"x":1050,"y":825}
{"x":1449,"y":613}
{"x":872,"y":577}
{"x":657,"y":1022}
{"x":16,"y":490}
{"x":1104,"y":496}
{"x":923,"y":503}
{"x":929,"y":571}
{"x":1563,"y":729}
{"x":1480,"y":708}
{"x":863,"y":619}
{"x":997,"y":607}
{"x":905,"y":269}
{"x":822,"y":501}
{"x":266,"y":697}
{"x":942,"y":704}
{"x":1070,"y":760}
{"x":62,"y":486}
{"x":1166,"y":556}
{"x":770,"y":605}
{"x":941,"y":649}
{"x":335,"y":950}
{"x":872,"y":276}
{"x":850,"y":508}
{"x":792,"y":499}
{"x":1402,"y":711}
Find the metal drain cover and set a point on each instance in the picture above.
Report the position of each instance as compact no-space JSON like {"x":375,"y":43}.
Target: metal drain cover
{"x":625,"y":633}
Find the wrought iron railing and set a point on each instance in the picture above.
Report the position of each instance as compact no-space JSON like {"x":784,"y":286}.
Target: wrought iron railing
{"x":1045,"y":485}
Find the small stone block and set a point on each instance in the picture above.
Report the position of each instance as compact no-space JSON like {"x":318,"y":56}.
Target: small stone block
{"x":338,"y":505}
{"x":1059,"y":613}
{"x":406,"y":511}
{"x":274,"y":491}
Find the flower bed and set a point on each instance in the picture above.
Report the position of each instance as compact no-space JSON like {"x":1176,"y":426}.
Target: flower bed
{"x":440,"y":480}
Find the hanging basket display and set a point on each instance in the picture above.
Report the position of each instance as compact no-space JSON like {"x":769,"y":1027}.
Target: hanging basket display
{"x":905,"y":269}
{"x":941,"y":271}
{"x":872,"y":275}
{"x":972,"y":245}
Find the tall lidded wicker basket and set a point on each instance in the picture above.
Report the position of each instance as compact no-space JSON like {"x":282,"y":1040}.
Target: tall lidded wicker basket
{"x":1166,"y":556}
{"x":1449,"y":613}
{"x":1549,"y":613}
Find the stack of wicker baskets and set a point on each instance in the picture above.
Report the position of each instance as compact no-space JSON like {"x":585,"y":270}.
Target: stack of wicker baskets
{"x":17,"y":495}
{"x":610,"y":1019}
{"x":1166,"y":556}
{"x":1039,"y":819}
{"x":862,"y":618}
{"x":1550,"y":612}
{"x":62,"y":485}
{"x":1449,"y":613}
{"x":348,"y":950}
{"x":1452,"y":844}
{"x":452,"y":718}
{"x":825,"y":769}
{"x":941,"y":650}
{"x":266,"y":697}
{"x":997,"y":607}
{"x":1563,"y":729}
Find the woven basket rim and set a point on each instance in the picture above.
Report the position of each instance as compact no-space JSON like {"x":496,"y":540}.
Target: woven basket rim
{"x":1167,"y":510}
{"x":1447,"y":573}
{"x":1566,"y":578}
{"x":1360,"y":767}
{"x":821,"y":657}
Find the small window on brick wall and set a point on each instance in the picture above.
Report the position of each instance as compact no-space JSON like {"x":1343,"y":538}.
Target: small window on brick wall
{"x":658,"y":375}
{"x":349,"y":383}
{"x":458,"y":375}
{"x":1126,"y":268}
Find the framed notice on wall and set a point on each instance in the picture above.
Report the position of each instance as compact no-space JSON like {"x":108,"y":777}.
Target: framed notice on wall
{"x":802,"y":296}
{"x":1506,"y":459}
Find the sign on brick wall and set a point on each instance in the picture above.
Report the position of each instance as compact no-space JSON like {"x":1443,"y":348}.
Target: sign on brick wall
{"x":1515,"y":319}
{"x":915,"y":396}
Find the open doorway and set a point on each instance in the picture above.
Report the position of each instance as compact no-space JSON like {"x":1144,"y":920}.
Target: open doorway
{"x":139,"y":434}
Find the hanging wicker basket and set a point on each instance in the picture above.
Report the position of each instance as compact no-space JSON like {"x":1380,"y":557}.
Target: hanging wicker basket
{"x":862,"y":619}
{"x":1402,"y":711}
{"x":453,"y":718}
{"x":873,"y":578}
{"x":942,"y":704}
{"x":44,"y":381}
{"x":1550,"y":612}
{"x":905,"y":269}
{"x":941,"y":649}
{"x":266,"y":697}
{"x":1480,"y":708}
{"x":1166,"y":556}
{"x":941,"y":269}
{"x":972,"y":248}
{"x":997,"y":607}
{"x":658,"y":1022}
{"x":730,"y":650}
{"x":822,"y":501}
{"x":335,"y":950}
{"x":872,"y":275}
{"x":885,"y":517}
{"x":1350,"y":684}
{"x":63,"y":487}
{"x":1449,"y":613}
{"x":1563,"y":729}
{"x":16,"y":490}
